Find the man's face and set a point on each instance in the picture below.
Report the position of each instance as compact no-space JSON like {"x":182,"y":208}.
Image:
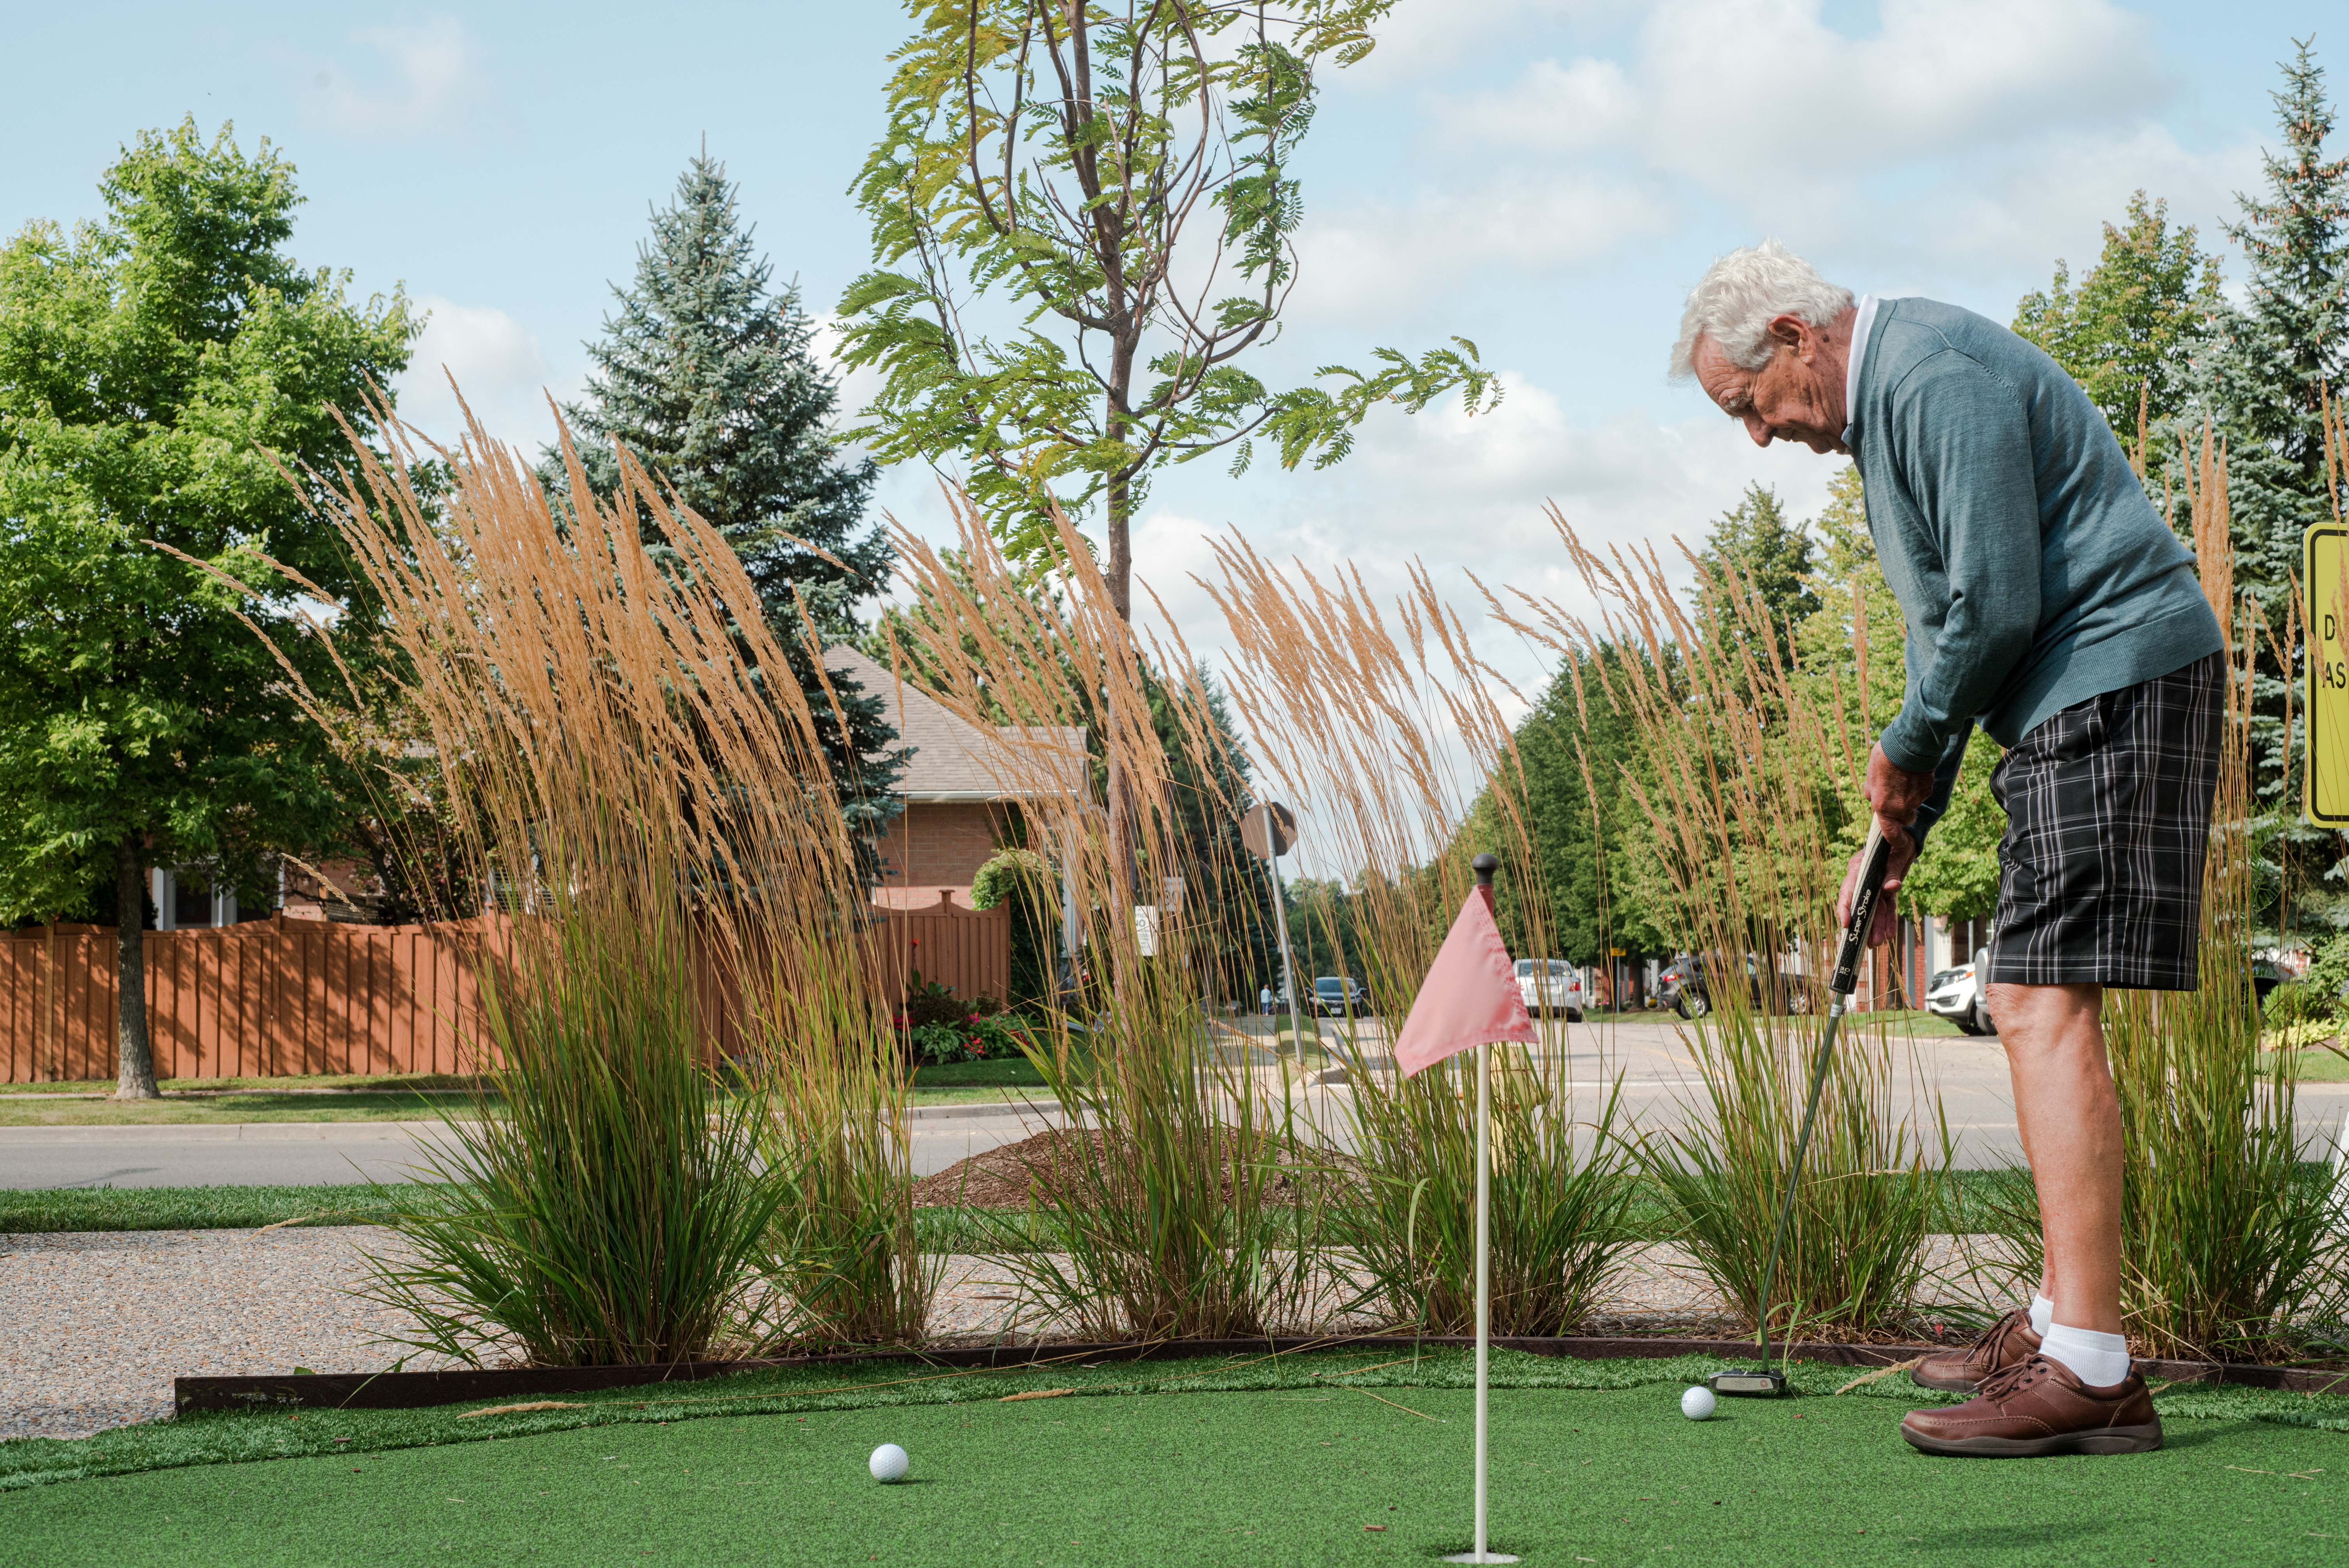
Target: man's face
{"x":1796,"y":396}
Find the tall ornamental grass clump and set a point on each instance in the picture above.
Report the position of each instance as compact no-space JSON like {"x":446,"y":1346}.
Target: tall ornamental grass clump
{"x":1175,"y":1200}
{"x":1745,"y":771}
{"x":681,"y":1044}
{"x":2234,"y":1246}
{"x":1380,"y":725}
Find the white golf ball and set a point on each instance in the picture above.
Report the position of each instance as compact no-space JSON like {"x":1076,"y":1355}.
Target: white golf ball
{"x":888,"y":1463}
{"x":1696,"y":1405}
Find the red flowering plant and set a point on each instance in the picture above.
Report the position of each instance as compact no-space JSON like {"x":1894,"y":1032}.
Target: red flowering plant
{"x":939,"y":1026}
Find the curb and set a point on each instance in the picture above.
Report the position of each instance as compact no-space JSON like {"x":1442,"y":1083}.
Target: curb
{"x":420,"y":1390}
{"x":980,"y":1109}
{"x":228,"y":1132}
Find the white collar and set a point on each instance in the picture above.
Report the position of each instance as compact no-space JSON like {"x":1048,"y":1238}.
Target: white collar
{"x":1863,"y":319}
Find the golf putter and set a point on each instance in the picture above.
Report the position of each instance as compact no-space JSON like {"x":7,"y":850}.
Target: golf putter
{"x":1767,"y":1380}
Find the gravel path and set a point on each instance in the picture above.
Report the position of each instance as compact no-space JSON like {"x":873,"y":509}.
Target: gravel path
{"x":98,"y":1323}
{"x":95,"y":1325}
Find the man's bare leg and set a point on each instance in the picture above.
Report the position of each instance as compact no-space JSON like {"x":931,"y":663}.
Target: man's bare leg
{"x":2070,"y":1119}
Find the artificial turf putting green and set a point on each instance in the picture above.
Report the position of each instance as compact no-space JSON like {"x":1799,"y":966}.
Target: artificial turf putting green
{"x":1292,"y":1472}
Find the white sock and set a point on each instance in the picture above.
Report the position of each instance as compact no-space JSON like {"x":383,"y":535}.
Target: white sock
{"x":2100,"y":1360}
{"x":2043,"y":1313}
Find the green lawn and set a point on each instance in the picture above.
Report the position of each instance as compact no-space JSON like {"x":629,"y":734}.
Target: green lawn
{"x":372,"y":1096}
{"x":238,"y":1106}
{"x":1180,"y":1463}
{"x":1009,"y":1077}
{"x":2323,"y":1067}
{"x":183,"y":1208}
{"x":384,"y":1083}
{"x":417,"y":1098}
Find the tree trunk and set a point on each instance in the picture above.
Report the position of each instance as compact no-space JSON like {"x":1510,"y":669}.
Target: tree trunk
{"x":1123,"y":896}
{"x":1121,"y":547}
{"x":135,"y":1059}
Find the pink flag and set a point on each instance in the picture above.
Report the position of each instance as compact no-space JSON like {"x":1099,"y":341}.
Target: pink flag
{"x":1469,"y":997}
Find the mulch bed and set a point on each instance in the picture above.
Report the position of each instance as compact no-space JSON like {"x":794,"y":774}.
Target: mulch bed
{"x":1060,"y":1157}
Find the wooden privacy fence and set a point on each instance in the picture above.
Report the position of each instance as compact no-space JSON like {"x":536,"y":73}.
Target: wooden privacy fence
{"x":283,"y":997}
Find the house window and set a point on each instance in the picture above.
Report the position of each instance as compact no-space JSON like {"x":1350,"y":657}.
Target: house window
{"x":184,"y":902}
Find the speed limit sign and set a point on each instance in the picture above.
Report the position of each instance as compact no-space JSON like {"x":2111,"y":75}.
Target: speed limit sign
{"x":2324,"y":552}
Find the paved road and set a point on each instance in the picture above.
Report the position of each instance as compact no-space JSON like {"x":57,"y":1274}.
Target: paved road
{"x":1660,"y":1087}
{"x":251,"y":1154}
{"x":282,"y":1154}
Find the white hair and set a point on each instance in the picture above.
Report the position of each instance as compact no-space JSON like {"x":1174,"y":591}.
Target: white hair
{"x":1740,"y":294}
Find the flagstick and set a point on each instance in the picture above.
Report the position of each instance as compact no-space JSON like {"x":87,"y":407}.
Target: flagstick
{"x":1483,"y":1265}
{"x":1485,"y":865}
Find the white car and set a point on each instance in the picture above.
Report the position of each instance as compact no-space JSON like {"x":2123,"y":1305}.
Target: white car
{"x":1550,"y":985}
{"x":1957,"y":994}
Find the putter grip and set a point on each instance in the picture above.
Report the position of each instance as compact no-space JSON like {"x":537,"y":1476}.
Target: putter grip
{"x":1874,"y":858}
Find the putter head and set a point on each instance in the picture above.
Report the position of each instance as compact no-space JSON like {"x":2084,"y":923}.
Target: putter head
{"x":1761,"y":1383}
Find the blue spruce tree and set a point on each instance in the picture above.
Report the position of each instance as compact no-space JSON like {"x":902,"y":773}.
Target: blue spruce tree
{"x":2266,"y":369}
{"x":711,"y":379}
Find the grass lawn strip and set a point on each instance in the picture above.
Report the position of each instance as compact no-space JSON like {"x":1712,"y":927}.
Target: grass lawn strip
{"x":25,"y":1210}
{"x":236,"y":1106}
{"x":1270,"y":1463}
{"x":239,"y":1438}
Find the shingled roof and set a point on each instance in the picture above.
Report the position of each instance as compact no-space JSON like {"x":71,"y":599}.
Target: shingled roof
{"x":955,"y":760}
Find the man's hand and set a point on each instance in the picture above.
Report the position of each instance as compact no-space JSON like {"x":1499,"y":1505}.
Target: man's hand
{"x":1896,"y":865}
{"x":1894,"y":794}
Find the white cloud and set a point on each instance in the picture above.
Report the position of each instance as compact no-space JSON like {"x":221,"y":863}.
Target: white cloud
{"x":1736,"y":93}
{"x":1957,"y":142}
{"x":856,"y":388}
{"x":422,"y":79}
{"x":1420,"y":38}
{"x":1385,"y":261}
{"x":498,"y":368}
{"x":1464,"y":494}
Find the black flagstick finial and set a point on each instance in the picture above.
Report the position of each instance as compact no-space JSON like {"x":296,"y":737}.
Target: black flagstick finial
{"x":1485,"y":864}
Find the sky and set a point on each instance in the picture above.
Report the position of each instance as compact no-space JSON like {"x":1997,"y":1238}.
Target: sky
{"x":1546,"y":177}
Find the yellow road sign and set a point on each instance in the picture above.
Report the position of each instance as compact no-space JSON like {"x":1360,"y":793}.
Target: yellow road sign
{"x":2325,"y":560}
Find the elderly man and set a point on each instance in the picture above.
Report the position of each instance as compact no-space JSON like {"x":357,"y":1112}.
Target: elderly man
{"x":2047,"y":601}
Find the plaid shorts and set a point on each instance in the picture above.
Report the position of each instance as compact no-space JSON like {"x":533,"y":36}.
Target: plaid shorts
{"x":2108,"y":815}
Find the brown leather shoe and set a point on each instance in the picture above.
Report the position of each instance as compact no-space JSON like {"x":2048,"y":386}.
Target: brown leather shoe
{"x":2037,"y":1406}
{"x":2004,"y":1344}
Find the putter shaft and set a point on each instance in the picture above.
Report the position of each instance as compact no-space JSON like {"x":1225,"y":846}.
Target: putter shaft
{"x":1875,"y":857}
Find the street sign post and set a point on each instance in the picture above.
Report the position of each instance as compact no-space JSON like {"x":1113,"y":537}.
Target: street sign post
{"x":2325,"y":578}
{"x":1268,"y":830}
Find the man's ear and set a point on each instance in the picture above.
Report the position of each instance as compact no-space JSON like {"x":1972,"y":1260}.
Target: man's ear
{"x":1794,"y":332}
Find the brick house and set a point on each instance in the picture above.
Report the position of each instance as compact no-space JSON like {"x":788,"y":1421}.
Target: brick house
{"x":959,"y":787}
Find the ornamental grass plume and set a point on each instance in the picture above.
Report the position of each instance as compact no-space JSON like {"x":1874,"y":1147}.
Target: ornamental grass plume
{"x":1175,"y":1201}
{"x":1739,"y":757}
{"x":1382,"y":727}
{"x":701,"y":1149}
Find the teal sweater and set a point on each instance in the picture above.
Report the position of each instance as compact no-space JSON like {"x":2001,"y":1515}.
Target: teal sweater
{"x":2034,"y":572}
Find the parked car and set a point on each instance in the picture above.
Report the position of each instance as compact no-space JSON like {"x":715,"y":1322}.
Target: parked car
{"x":1550,"y":985}
{"x":1957,"y":994}
{"x":1691,"y":983}
{"x":1341,"y":997}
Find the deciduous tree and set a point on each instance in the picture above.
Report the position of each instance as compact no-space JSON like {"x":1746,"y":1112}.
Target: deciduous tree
{"x":1117,"y":183}
{"x":2129,"y":332}
{"x":162,"y":370}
